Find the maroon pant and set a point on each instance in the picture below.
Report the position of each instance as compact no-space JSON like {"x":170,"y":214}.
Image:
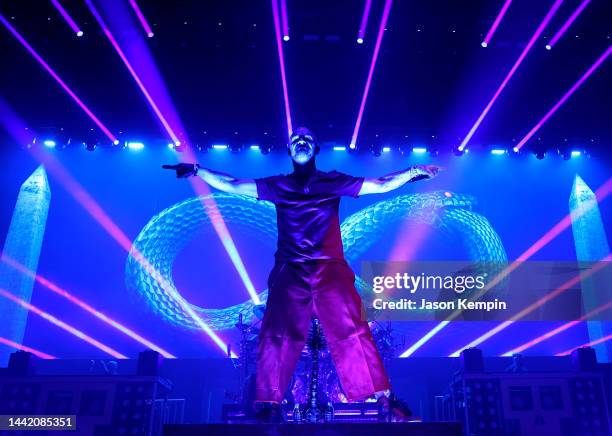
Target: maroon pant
{"x":326,"y":290}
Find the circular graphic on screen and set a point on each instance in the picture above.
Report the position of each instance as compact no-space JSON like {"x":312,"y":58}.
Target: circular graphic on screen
{"x":149,"y":264}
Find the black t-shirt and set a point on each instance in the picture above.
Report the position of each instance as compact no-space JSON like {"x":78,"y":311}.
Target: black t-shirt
{"x":307,"y":213}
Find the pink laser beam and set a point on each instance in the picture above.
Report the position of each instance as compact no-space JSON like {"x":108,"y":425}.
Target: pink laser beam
{"x":588,"y":344}
{"x":601,"y":193}
{"x":135,"y":76}
{"x":58,"y":79}
{"x":565,"y":97}
{"x":100,"y":216}
{"x":66,"y":16}
{"x":567,"y":24}
{"x":557,"y":330}
{"x":515,"y":67}
{"x":22,"y":347}
{"x":284,"y":19}
{"x":495,"y":24}
{"x":379,"y":37}
{"x":61,"y":324}
{"x":142,"y":19}
{"x":535,"y":305}
{"x":364,"y":20}
{"x":281,"y":61}
{"x":105,"y":318}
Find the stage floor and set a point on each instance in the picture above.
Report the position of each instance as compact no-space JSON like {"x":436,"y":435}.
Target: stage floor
{"x":327,"y":429}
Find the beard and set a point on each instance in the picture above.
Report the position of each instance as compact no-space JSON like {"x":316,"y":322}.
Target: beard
{"x":302,"y":156}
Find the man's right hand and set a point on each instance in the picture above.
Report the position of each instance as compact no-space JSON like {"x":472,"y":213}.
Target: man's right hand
{"x":183,"y":170}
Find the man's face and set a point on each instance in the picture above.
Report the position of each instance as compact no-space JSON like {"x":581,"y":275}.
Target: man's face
{"x":302,"y":146}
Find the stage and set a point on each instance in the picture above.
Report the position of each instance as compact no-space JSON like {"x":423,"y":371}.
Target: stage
{"x":306,"y":217}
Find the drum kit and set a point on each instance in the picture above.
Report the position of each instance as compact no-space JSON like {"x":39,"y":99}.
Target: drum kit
{"x":315,"y":386}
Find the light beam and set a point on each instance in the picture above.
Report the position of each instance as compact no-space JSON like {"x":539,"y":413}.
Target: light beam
{"x":495,"y":25}
{"x":364,"y":98}
{"x":281,"y":61}
{"x":67,"y":18}
{"x":565,"y":97}
{"x":61,"y":324}
{"x":364,"y":21}
{"x":557,"y":330}
{"x":142,"y":19}
{"x":58,"y":79}
{"x":567,"y":24}
{"x":603,"y":191}
{"x":515,"y":67}
{"x":22,"y":347}
{"x":83,"y":305}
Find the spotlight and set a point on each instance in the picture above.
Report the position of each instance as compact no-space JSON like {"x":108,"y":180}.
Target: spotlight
{"x":498,"y":151}
{"x":286,"y":38}
{"x":376,"y":149}
{"x":79,"y":33}
{"x":219,"y":146}
{"x":339,"y":148}
{"x":457,"y":151}
{"x":235,"y":148}
{"x":254,"y":147}
{"x":171,"y":146}
{"x":135,"y":145}
{"x":352,"y":146}
{"x":359,"y":40}
{"x":49,"y":143}
{"x":150,"y":34}
{"x":419,"y":150}
{"x":575,"y":153}
{"x":386,"y":149}
{"x":515,"y":149}
{"x":548,"y":47}
{"x":484,"y":44}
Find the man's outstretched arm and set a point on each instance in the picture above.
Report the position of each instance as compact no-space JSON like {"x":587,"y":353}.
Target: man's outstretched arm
{"x":395,"y":180}
{"x":221,"y":181}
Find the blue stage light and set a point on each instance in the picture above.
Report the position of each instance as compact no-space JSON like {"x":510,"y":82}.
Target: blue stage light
{"x":386,"y":149}
{"x":419,"y":150}
{"x":254,"y":147}
{"x":135,"y":145}
{"x":352,"y":146}
{"x":220,"y":146}
{"x":49,"y":143}
{"x":339,"y":148}
{"x":498,"y":151}
{"x":576,"y":153}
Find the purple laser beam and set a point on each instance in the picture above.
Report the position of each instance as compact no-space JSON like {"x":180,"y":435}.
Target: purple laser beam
{"x":58,"y":79}
{"x":495,"y":24}
{"x":364,"y":21}
{"x":128,"y":65}
{"x":75,"y":28}
{"x":515,"y":67}
{"x":142,"y":19}
{"x":284,"y":19}
{"x":567,"y":24}
{"x":281,"y":61}
{"x":565,"y":97}
{"x":379,"y":37}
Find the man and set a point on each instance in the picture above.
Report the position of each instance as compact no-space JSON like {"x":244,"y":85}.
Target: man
{"x":310,"y":276}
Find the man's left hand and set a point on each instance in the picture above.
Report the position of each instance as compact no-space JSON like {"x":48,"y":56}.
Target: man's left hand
{"x":428,"y":171}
